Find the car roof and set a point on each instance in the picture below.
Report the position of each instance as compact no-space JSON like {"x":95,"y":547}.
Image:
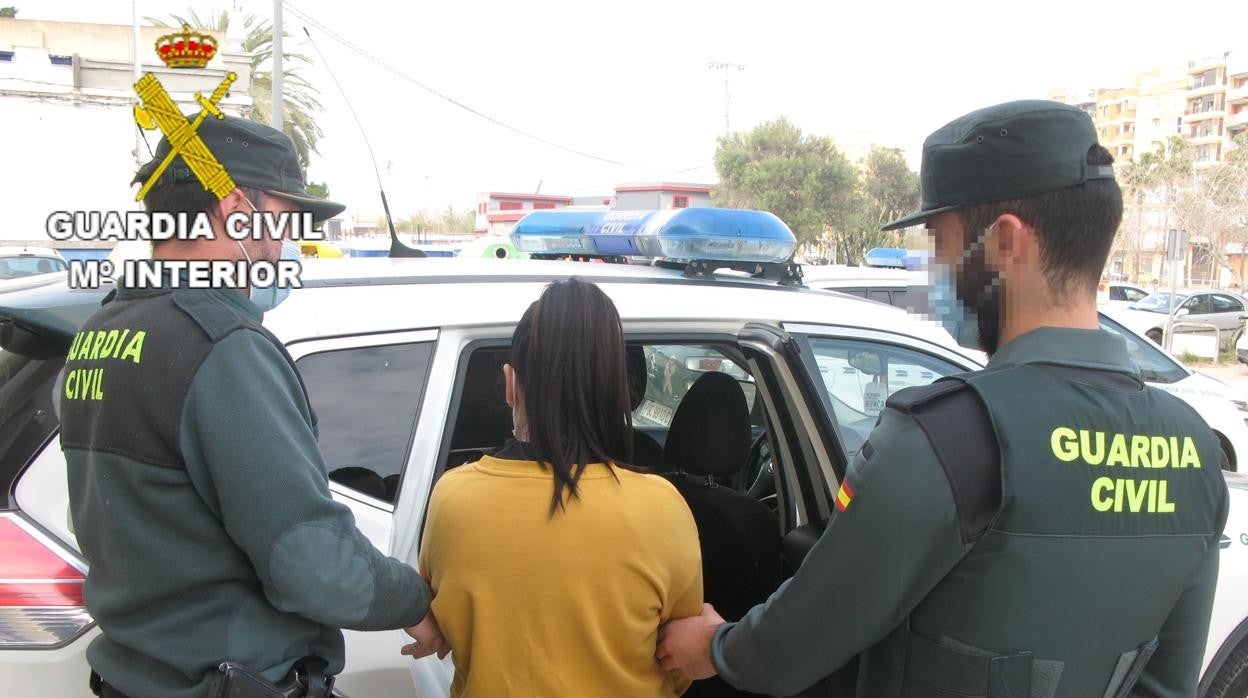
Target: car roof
{"x":29,"y":252}
{"x":356,"y":295}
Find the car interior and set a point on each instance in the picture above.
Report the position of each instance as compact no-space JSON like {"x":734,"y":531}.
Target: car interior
{"x":697,"y":424}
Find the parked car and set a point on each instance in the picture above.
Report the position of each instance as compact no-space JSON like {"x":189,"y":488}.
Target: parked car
{"x":1110,"y":294}
{"x":402,"y":362}
{"x":1225,"y":410}
{"x":1222,"y":309}
{"x":17,"y":263}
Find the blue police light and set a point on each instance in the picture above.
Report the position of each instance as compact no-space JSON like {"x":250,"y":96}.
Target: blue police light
{"x":686,"y":234}
{"x":895,"y":258}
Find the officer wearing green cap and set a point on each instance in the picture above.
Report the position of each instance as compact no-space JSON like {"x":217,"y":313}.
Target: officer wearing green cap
{"x":198,"y":492}
{"x":1045,"y":527}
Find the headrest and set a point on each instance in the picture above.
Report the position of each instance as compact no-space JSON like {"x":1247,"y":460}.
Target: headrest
{"x":710,"y":433}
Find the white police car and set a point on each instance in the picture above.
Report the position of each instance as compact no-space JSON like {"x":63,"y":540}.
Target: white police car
{"x":402,"y":362}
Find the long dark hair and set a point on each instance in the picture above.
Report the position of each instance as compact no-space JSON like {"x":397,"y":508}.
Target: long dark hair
{"x":569,"y":359}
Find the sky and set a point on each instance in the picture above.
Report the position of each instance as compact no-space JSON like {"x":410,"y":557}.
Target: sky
{"x":629,"y":82}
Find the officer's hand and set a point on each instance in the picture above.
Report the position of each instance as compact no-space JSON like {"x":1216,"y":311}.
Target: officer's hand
{"x":428,"y":638}
{"x":685,"y":644}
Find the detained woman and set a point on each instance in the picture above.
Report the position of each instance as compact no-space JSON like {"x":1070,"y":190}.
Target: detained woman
{"x":554,"y":562}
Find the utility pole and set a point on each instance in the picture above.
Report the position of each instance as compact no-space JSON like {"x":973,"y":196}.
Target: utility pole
{"x":726,"y":67}
{"x":276,"y":120}
{"x":138,"y":73}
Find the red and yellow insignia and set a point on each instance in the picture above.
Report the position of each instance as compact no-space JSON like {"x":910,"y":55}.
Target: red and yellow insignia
{"x":844,"y":496}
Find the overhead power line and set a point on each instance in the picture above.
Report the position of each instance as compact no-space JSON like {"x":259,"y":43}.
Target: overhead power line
{"x":362,"y":52}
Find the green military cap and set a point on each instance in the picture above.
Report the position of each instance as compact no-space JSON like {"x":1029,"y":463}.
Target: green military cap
{"x":255,"y":156}
{"x":1005,"y":151}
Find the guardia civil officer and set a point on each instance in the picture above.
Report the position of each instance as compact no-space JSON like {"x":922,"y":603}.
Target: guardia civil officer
{"x":197,"y":489}
{"x":1045,"y":527}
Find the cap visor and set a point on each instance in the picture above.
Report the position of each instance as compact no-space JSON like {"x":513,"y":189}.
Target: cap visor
{"x":916,"y":218}
{"x":319,"y":208}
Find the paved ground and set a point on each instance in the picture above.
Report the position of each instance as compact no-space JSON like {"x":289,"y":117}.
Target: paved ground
{"x":1234,"y":375}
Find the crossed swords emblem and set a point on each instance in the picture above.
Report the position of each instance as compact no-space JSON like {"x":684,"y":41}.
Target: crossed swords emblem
{"x":159,"y":111}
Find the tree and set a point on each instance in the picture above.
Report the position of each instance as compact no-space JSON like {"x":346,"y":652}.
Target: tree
{"x":887,"y":190}
{"x":299,"y":100}
{"x":9,"y":12}
{"x":1138,"y":179}
{"x":804,"y":180}
{"x":318,"y":189}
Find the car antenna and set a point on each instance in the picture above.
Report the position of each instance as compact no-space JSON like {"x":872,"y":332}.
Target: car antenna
{"x":397,"y":248}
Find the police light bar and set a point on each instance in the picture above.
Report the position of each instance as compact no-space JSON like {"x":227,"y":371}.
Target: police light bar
{"x":686,"y":234}
{"x":895,"y":258}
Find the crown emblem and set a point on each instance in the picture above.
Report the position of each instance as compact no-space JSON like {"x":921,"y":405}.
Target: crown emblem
{"x":186,"y":50}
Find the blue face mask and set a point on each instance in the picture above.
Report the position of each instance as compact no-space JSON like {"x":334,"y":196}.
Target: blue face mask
{"x":267,"y":298}
{"x":957,"y":319}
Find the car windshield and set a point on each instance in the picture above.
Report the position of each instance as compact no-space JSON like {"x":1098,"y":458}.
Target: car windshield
{"x":1159,"y":302}
{"x":1154,"y":365}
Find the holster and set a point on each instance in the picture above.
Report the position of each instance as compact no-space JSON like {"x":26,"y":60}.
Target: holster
{"x":306,"y":679}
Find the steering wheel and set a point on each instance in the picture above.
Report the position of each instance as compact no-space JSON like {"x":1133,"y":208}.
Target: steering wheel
{"x":760,"y":472}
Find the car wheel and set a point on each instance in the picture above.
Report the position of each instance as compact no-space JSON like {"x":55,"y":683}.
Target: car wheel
{"x":1226,"y":465}
{"x":1154,"y":335}
{"x":1232,"y":679}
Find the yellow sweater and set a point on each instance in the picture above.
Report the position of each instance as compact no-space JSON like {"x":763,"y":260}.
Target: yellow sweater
{"x":535,"y":606}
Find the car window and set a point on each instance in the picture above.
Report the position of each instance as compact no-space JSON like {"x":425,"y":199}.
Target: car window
{"x":366,"y":400}
{"x":27,"y":416}
{"x":880,"y":294}
{"x":17,"y":267}
{"x":1225,"y":304}
{"x":1132,"y":294}
{"x":1154,"y":364}
{"x":1159,"y":302}
{"x":1199,"y":304}
{"x":859,"y":376}
{"x":672,"y":369}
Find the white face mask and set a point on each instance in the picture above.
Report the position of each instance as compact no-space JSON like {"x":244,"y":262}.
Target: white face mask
{"x":269,"y":297}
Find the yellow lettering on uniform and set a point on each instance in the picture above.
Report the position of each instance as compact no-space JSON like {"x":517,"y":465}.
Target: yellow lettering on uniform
{"x":1190,"y":457}
{"x":1137,"y":490}
{"x":1118,"y":451}
{"x":99,"y":384}
{"x":71,"y":385}
{"x":135,"y":347}
{"x":95,"y":347}
{"x":1164,"y":506}
{"x":1092,"y":457}
{"x":1099,"y":501}
{"x":84,"y":341}
{"x":1063,"y":442}
{"x":1152,"y":496}
{"x":110,"y":343}
{"x":1139,"y":451}
{"x":1160,"y":452}
{"x":1118,"y":488}
{"x":1174,"y":452}
{"x":73,"y":348}
{"x":121,"y":342}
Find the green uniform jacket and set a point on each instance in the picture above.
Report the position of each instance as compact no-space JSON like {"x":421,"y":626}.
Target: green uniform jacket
{"x":1057,"y":562}
{"x":200,"y":499}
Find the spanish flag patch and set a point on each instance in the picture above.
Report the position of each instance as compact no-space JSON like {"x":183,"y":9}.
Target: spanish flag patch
{"x":844,"y":496}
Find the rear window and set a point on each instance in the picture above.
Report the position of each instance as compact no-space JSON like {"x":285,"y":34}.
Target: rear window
{"x":27,"y":416}
{"x":17,"y":267}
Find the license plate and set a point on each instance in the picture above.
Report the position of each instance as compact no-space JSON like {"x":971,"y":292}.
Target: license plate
{"x":655,"y":412}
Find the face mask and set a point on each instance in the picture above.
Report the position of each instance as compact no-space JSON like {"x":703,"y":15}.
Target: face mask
{"x":968,"y":308}
{"x":269,"y":297}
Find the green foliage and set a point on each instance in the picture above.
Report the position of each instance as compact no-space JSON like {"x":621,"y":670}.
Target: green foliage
{"x":809,"y":184}
{"x":804,"y":180}
{"x":9,"y":12}
{"x":887,"y":190}
{"x":318,"y":189}
{"x":299,"y":100}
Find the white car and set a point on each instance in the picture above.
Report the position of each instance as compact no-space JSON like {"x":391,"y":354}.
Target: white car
{"x":1223,"y":408}
{"x":402,"y":359}
{"x":1112,"y":295}
{"x":20,"y":264}
{"x":1220,"y":309}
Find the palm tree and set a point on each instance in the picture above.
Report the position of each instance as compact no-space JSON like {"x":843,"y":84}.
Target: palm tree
{"x":298,"y":96}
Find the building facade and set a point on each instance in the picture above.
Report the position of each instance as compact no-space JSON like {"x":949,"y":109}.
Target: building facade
{"x":67,"y":95}
{"x":661,"y":195}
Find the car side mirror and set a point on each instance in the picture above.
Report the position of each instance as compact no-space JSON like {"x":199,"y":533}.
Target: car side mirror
{"x":1181,"y":312}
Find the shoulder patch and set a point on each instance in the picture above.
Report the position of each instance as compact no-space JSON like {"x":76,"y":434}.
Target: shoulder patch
{"x":960,"y":431}
{"x":906,"y":400}
{"x":213,"y":315}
